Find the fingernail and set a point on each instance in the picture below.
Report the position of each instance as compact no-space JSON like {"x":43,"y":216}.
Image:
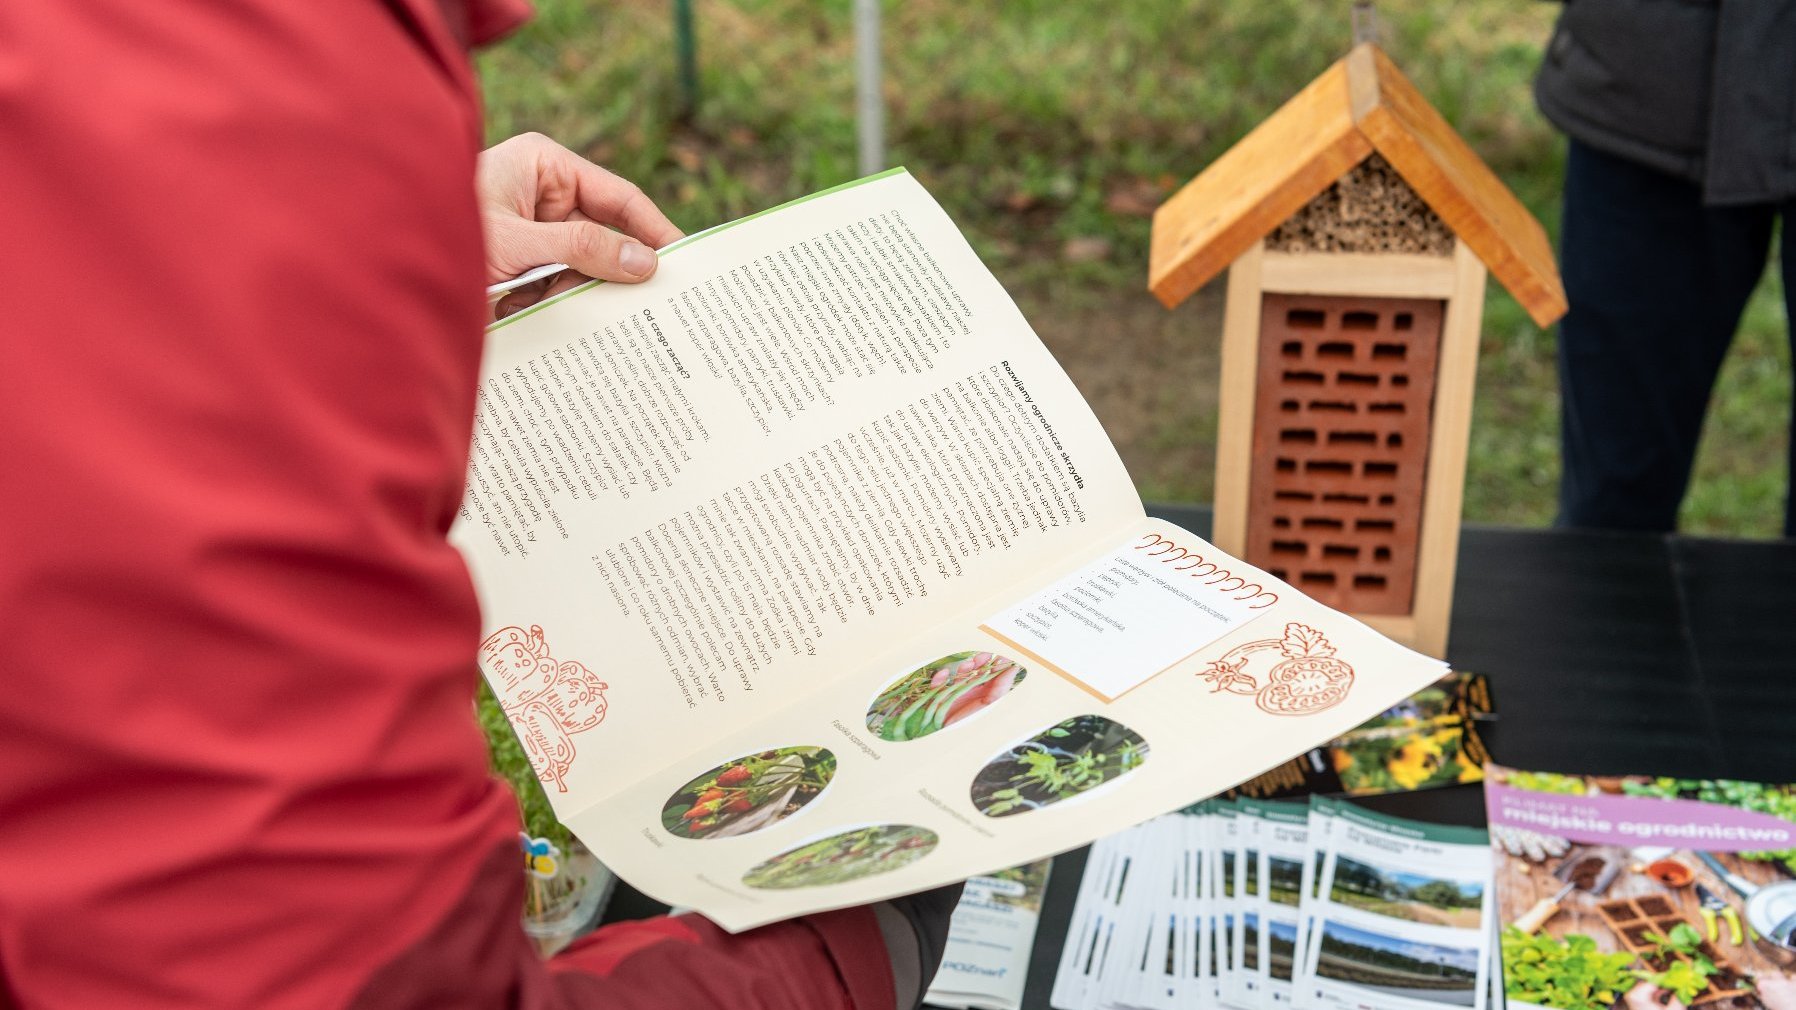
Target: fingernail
{"x":508,"y":308}
{"x":636,"y":258}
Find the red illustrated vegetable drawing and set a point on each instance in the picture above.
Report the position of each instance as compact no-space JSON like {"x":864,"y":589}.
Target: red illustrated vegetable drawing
{"x":547,"y":701}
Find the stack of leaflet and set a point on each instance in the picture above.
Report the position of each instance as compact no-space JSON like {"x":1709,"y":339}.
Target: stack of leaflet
{"x":1261,"y":904}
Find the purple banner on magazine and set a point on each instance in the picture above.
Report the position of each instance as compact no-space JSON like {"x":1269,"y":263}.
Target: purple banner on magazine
{"x":1637,"y":820}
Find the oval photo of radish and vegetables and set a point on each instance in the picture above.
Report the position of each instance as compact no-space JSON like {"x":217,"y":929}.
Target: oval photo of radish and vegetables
{"x":1065,"y":760}
{"x":933,"y":697}
{"x":749,"y":793}
{"x":844,"y":856}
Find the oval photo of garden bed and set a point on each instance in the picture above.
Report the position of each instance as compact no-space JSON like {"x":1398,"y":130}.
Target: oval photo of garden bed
{"x":947,"y":691}
{"x":844,"y":856}
{"x":748,"y":793}
{"x":1062,"y":761}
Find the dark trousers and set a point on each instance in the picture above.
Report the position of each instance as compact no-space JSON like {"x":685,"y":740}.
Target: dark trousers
{"x":1657,"y":283}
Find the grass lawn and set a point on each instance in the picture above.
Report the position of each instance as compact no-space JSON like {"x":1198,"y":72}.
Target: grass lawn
{"x":1050,"y":130}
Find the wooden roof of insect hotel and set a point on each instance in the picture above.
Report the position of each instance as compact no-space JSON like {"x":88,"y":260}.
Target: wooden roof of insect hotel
{"x":1361,"y":105}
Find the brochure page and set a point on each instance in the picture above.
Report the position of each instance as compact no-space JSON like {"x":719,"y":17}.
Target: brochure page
{"x":810,"y":434}
{"x":986,"y":962}
{"x":1098,"y":909}
{"x":1249,"y":969}
{"x":1284,"y":829}
{"x":1129,"y":941}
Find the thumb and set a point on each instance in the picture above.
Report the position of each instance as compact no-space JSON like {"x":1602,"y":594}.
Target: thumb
{"x":588,"y":247}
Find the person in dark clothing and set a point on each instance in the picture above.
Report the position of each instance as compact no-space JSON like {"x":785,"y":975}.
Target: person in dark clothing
{"x":1681,"y":116}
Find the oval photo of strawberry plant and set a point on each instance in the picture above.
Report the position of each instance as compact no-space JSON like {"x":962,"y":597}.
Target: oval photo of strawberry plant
{"x":749,"y":793}
{"x":1062,"y":761}
{"x":844,"y":856}
{"x":934,"y":697}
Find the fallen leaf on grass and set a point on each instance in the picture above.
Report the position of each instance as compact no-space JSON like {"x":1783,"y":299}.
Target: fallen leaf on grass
{"x":1085,"y":249}
{"x":1134,"y":199}
{"x":1020,"y":201}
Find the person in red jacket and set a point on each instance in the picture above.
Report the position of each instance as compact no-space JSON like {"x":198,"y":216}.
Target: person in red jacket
{"x":241,"y":248}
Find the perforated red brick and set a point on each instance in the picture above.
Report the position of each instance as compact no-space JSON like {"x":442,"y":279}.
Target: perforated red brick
{"x":1340,"y":439}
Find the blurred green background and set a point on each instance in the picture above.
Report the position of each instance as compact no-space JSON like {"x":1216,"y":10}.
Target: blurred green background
{"x":1050,"y":130}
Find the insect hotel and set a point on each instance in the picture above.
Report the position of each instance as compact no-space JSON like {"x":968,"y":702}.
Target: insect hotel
{"x":1357,"y":229}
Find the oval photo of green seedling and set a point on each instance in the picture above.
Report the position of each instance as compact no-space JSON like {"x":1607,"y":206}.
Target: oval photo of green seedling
{"x":748,"y":793}
{"x":934,"y":697}
{"x":1062,"y":761}
{"x":844,"y":856}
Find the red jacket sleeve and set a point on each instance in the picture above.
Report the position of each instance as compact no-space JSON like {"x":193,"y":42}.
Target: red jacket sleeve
{"x":238,"y":762}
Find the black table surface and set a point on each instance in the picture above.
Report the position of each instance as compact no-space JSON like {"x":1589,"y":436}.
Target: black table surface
{"x":1607,"y":653}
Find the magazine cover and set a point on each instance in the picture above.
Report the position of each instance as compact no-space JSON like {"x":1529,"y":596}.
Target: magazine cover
{"x":1644,"y":893}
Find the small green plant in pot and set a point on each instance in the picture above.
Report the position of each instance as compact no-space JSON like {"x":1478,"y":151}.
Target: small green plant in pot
{"x":1683,"y":939}
{"x":1684,"y":979}
{"x":558,"y":906}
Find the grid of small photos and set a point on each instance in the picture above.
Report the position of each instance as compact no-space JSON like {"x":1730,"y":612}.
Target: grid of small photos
{"x":1261,"y":904}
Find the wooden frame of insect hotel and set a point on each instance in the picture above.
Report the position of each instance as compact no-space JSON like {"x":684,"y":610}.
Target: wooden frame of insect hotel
{"x":1356,"y":227}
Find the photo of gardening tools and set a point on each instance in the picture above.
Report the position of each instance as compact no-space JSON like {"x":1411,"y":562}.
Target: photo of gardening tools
{"x":1770,"y":908}
{"x":1584,"y":870}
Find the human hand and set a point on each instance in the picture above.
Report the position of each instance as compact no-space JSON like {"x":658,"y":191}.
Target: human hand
{"x":1645,"y":996}
{"x":1777,"y":992}
{"x":542,"y":203}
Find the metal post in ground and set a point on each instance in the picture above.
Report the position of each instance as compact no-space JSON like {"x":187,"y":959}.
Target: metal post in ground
{"x":870,"y":118}
{"x":686,"y":50}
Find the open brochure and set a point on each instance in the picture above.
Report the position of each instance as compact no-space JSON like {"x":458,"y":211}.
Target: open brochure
{"x":808,"y":579}
{"x":1643,"y":891}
